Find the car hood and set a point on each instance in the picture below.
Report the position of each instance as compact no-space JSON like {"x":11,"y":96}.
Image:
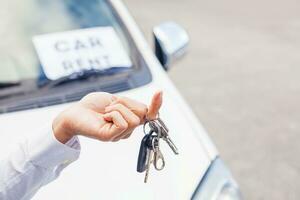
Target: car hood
{"x":108,"y":170}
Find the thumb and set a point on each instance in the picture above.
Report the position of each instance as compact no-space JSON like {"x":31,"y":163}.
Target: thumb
{"x":155,"y":105}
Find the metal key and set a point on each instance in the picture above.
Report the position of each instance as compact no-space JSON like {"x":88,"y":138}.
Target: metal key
{"x":157,"y":125}
{"x":150,"y":151}
{"x":150,"y":145}
{"x":166,"y":136}
{"x":149,"y":162}
{"x":171,"y":144}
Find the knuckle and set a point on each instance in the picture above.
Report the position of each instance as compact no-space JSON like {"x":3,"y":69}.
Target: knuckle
{"x":119,"y":106}
{"x":123,"y":126}
{"x":142,"y":112}
{"x":119,"y":100}
{"x":124,"y":99}
{"x":135,"y":121}
{"x":115,"y":113}
{"x":144,"y":109}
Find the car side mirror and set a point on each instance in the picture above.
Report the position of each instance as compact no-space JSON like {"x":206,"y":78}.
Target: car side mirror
{"x":171,"y":42}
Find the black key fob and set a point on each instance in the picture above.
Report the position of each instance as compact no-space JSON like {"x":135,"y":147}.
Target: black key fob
{"x":146,"y":146}
{"x":142,"y":158}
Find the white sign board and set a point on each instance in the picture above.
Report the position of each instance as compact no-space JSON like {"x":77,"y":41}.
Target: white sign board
{"x":62,"y":54}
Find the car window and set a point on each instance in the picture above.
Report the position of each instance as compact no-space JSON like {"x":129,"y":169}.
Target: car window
{"x":23,"y":71}
{"x":35,"y":17}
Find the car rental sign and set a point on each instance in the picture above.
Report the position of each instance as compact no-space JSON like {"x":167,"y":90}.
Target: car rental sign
{"x":62,"y":54}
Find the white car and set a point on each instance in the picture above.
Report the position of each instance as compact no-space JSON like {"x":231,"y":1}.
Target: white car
{"x":54,"y":52}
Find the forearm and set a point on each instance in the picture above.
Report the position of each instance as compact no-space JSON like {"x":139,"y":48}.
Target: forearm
{"x":37,"y":161}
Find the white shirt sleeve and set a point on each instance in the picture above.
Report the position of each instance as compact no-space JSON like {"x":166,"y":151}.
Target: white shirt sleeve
{"x":37,"y":161}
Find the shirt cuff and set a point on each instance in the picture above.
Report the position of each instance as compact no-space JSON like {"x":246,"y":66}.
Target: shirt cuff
{"x":46,"y":151}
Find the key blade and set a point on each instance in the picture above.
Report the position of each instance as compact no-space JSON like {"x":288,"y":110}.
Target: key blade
{"x":146,"y":176}
{"x":149,"y":162}
{"x":171,"y":145}
{"x":163,"y":128}
{"x":163,"y":125}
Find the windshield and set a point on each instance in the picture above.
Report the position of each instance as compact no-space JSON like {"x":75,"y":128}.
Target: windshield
{"x":47,"y":40}
{"x":30,"y":18}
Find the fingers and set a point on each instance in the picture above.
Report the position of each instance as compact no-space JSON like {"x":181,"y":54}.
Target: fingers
{"x":124,"y":121}
{"x":155,"y":105}
{"x":114,"y":129}
{"x":132,"y":119}
{"x":136,"y":107}
{"x":125,"y":114}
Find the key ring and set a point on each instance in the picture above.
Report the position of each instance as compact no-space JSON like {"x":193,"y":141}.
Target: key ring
{"x":153,"y":120}
{"x":148,"y":120}
{"x":156,"y":124}
{"x":144,"y":127}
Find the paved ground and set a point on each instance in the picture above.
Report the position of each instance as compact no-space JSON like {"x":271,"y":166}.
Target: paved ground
{"x":241,"y":76}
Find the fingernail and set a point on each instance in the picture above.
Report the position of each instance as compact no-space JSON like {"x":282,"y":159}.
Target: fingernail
{"x":106,"y":117}
{"x":159,"y":95}
{"x":114,"y":99}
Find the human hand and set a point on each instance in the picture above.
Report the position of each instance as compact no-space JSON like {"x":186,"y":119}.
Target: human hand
{"x":104,"y":116}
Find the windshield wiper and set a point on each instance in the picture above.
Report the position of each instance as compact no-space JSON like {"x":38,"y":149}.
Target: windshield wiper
{"x":8,"y":89}
{"x":81,"y":75}
{"x":9,"y":84}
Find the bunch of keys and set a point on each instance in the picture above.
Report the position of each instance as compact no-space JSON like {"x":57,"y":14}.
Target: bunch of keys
{"x":149,"y":150}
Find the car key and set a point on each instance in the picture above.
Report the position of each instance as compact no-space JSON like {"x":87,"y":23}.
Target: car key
{"x":166,"y":137}
{"x":143,"y":153}
{"x":148,"y":165}
{"x":150,"y":145}
{"x":159,"y":124}
{"x":150,"y":151}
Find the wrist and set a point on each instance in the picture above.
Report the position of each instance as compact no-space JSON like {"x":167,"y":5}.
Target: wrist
{"x":61,"y":129}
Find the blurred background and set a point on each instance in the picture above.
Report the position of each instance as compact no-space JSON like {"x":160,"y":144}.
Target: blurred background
{"x":241,"y":78}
